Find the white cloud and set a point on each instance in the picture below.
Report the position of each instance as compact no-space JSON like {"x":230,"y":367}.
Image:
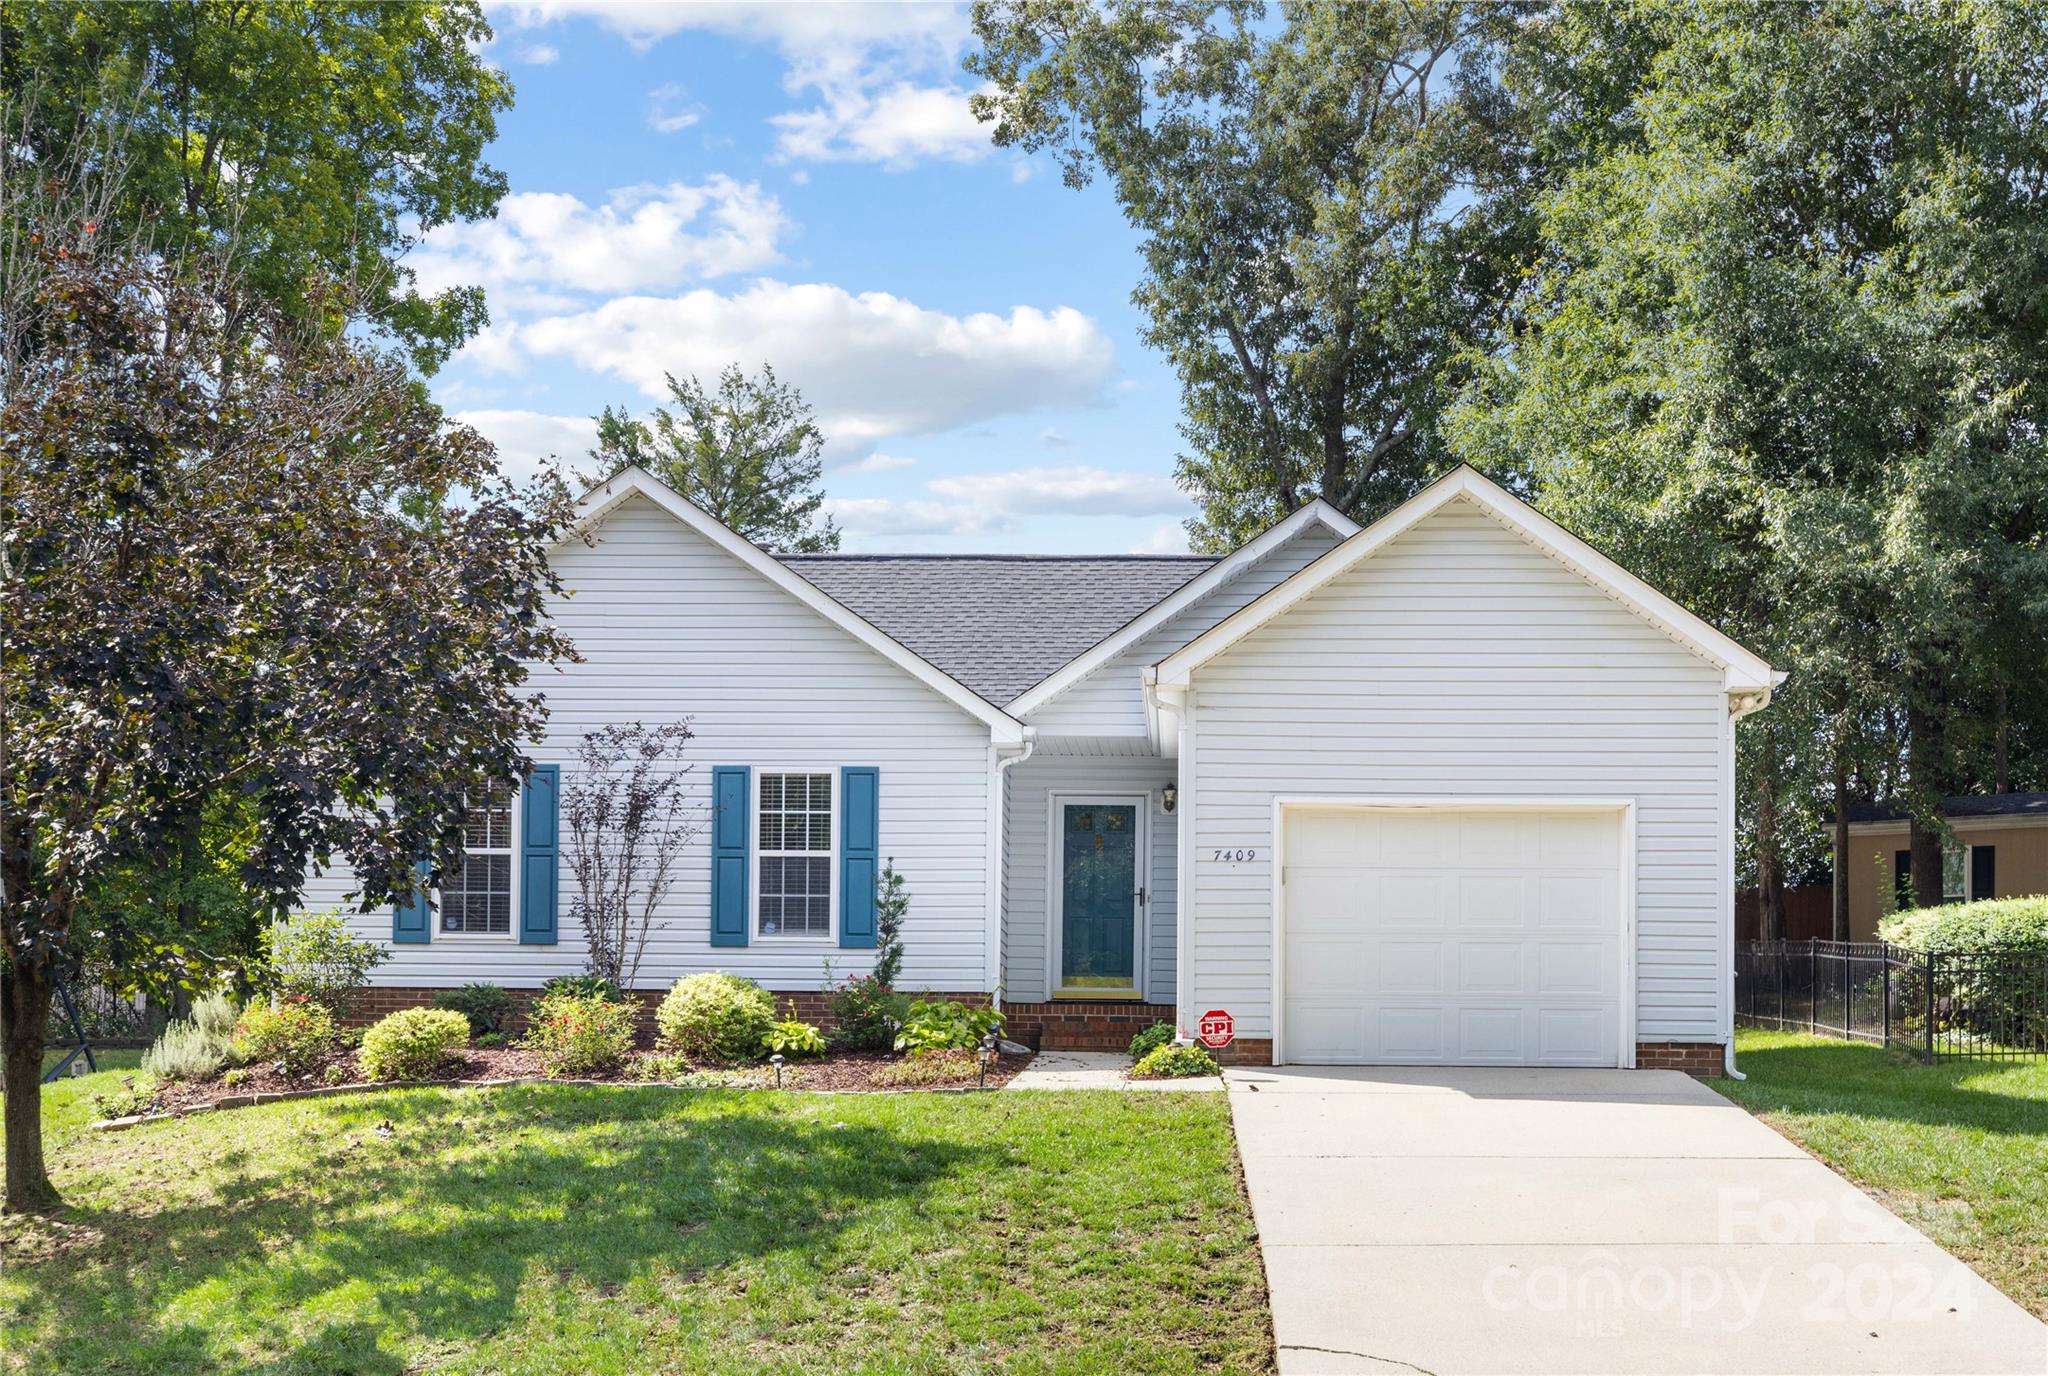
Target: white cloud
{"x":872,"y":365}
{"x":527,"y":438}
{"x":1076,"y":491}
{"x":866,"y":517}
{"x":1053,"y":439}
{"x":670,"y":110}
{"x":876,"y":463}
{"x":873,"y":67}
{"x":539,"y":55}
{"x":544,"y":244}
{"x":897,"y":127}
{"x":1163,"y":540}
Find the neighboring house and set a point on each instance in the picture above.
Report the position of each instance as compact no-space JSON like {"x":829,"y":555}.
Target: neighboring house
{"x":1455,"y":788}
{"x":1999,"y":850}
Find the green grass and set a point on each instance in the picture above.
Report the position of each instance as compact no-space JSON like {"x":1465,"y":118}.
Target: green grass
{"x":595,"y":1230}
{"x":1959,"y":1149}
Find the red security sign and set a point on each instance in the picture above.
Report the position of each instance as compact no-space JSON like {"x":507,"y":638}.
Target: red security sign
{"x":1216,"y":1029}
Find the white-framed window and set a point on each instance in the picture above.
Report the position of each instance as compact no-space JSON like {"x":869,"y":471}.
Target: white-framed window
{"x":476,"y":892}
{"x":795,"y":848}
{"x":1955,"y":872}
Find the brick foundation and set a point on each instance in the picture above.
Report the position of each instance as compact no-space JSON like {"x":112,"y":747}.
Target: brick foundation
{"x":1708,"y":1060}
{"x":812,"y":1005}
{"x":1078,"y":1025}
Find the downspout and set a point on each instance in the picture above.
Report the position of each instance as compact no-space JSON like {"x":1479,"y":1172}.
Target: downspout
{"x":1740,"y":705}
{"x":998,"y":812}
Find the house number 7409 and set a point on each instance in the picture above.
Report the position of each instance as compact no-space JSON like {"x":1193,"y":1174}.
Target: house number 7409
{"x":1233,"y":856}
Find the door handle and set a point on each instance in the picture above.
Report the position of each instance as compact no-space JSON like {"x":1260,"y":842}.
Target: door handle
{"x":1141,"y":897}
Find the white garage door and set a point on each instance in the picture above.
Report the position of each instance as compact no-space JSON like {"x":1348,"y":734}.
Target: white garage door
{"x":1438,"y":937}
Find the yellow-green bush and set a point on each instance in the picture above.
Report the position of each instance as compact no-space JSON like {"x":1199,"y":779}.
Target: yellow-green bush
{"x":412,"y":1043}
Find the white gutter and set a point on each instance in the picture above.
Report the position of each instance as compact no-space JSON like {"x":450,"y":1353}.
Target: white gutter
{"x":1740,"y":705}
{"x":991,"y":966}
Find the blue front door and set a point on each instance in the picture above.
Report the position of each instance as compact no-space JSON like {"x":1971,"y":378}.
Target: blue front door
{"x":1098,"y":895}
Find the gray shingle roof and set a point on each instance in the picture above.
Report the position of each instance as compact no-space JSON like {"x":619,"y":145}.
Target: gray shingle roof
{"x":1961,"y":806}
{"x":998,"y":623}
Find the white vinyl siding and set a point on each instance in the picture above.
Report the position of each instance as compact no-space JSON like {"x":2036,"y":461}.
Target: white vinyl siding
{"x":672,"y":627}
{"x":1461,"y":660}
{"x":1027,"y":868}
{"x":1111,"y":701}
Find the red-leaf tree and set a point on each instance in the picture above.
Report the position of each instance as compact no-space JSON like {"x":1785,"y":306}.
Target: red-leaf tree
{"x":260,"y":564}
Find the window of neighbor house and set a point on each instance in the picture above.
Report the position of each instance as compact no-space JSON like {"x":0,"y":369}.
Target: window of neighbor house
{"x":795,"y":855}
{"x":1955,"y":872}
{"x":476,"y":894}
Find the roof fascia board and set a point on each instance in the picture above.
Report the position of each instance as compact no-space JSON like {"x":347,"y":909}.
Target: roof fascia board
{"x":1317,"y":512}
{"x":602,"y":499}
{"x":1743,"y":670}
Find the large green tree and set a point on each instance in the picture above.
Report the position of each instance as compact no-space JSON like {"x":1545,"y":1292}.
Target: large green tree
{"x":748,"y":453}
{"x":298,"y":143}
{"x":211,"y":594}
{"x":1328,"y":200}
{"x":1783,"y":350}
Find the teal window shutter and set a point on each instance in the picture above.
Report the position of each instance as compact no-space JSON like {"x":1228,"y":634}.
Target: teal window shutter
{"x":410,"y":920}
{"x":540,"y":860}
{"x":859,"y":826}
{"x":731,"y":789}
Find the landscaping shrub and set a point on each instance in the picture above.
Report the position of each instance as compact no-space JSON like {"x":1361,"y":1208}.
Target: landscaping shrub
{"x":1172,"y":1062}
{"x":1151,"y":1039}
{"x":944,"y":1025}
{"x":922,"y":1068}
{"x":583,"y":987}
{"x":293,"y":1032}
{"x":715,"y":1017}
{"x":486,"y":1007}
{"x":195,"y":1048}
{"x":411,"y":1044}
{"x":315,"y":956}
{"x":1995,"y":924}
{"x":579,"y":1036}
{"x":865,"y":1011}
{"x":793,"y":1037}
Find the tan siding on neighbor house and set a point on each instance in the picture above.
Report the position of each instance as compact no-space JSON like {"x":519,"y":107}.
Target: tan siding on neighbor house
{"x":2021,"y":864}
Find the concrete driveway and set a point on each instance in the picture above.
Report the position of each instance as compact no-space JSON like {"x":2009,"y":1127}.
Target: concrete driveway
{"x":1582,"y":1221}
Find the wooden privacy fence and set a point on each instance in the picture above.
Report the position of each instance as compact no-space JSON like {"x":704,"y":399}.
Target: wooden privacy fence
{"x":1935,"y":1004}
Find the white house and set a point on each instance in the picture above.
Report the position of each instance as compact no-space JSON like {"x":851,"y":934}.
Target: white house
{"x":1451,"y":789}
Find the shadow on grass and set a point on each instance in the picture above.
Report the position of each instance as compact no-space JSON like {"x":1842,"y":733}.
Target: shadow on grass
{"x":331,"y":1258}
{"x":1820,"y":1076}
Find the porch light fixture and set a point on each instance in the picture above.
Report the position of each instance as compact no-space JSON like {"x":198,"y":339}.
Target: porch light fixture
{"x":1169,"y":797}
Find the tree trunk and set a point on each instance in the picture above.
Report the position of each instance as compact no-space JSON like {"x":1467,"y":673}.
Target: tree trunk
{"x":1840,"y":897}
{"x":1928,"y":782}
{"x":1770,"y":870}
{"x":25,"y":993}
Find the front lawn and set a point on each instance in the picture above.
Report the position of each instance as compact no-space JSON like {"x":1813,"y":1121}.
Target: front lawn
{"x":597,"y":1230}
{"x":1958,"y":1149}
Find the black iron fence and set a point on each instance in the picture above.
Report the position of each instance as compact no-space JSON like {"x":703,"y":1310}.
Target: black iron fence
{"x":1935,"y":1004}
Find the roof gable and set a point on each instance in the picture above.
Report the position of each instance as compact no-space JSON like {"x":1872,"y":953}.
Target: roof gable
{"x":1744,"y":672}
{"x":606,"y":496}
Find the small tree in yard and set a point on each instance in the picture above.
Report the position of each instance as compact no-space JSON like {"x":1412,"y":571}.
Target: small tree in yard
{"x":892,"y":902}
{"x":628,"y":818}
{"x":211,"y":588}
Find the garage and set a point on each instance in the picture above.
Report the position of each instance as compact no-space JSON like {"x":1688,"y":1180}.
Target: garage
{"x":1453,"y":935}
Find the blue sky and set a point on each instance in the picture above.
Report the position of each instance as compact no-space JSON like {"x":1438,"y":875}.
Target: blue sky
{"x":693,"y":184}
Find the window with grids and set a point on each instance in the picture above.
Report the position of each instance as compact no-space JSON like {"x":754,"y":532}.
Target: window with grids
{"x":796,"y":855}
{"x":476,"y":895}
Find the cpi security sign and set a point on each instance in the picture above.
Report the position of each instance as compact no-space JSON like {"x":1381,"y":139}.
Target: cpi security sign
{"x":1216,"y":1029}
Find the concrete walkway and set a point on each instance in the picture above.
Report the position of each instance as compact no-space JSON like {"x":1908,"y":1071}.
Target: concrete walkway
{"x":1582,"y":1221}
{"x":1095,"y":1070}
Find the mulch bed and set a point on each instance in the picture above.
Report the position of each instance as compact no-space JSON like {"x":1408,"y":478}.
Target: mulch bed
{"x":839,"y":1071}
